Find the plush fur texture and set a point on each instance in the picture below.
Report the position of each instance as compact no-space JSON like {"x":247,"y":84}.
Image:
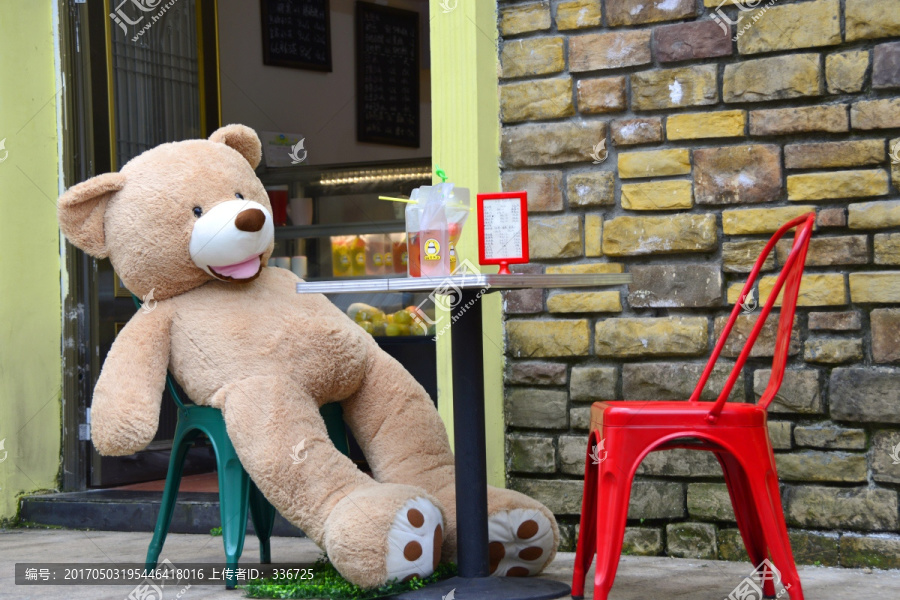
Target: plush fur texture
{"x":269,"y":358}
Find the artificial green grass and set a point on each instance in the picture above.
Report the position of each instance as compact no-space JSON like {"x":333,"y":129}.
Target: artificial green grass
{"x":328,"y":583}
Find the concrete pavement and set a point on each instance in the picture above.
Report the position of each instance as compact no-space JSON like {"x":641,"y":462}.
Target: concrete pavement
{"x":639,"y":578}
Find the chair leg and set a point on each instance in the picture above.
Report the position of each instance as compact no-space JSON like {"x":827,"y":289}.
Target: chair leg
{"x":763,"y":481}
{"x":587,"y":530}
{"x":613,"y":494}
{"x":234,"y":490}
{"x":180,"y":445}
{"x":263,"y":514}
{"x":745,"y":513}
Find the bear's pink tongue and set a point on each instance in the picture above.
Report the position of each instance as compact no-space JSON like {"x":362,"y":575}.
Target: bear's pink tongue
{"x":241,"y":270}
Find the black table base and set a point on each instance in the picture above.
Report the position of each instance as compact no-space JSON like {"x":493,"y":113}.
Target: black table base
{"x":491,"y":588}
{"x":473,"y":582}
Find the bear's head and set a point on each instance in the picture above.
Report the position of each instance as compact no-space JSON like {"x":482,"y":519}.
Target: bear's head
{"x":178,"y":215}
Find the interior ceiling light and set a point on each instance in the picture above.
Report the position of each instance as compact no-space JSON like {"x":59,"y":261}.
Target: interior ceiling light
{"x":375,"y":175}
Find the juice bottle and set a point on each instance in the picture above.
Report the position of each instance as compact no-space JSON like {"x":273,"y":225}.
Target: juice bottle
{"x":357,"y":249}
{"x":414,"y":265}
{"x":454,"y":231}
{"x":374,"y":254}
{"x":398,"y":249}
{"x":340,"y":257}
{"x":387,"y":257}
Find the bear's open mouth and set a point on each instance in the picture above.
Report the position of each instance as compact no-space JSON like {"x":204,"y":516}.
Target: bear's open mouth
{"x":242,"y":271}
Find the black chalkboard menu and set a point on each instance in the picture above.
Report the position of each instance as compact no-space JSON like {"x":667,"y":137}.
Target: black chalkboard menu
{"x":296,"y":33}
{"x":387,"y":75}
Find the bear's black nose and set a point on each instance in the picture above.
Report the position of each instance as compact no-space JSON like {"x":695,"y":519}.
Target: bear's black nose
{"x":250,"y":220}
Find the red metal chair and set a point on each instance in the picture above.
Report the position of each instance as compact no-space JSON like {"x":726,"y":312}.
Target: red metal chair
{"x":736,"y":432}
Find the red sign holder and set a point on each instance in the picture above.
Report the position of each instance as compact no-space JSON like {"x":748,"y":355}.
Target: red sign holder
{"x":503,"y":229}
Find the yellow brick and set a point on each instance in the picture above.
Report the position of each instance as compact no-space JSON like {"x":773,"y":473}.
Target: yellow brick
{"x":577,"y":14}
{"x":874,"y":215}
{"x":656,"y":163}
{"x":532,"y":56}
{"x":775,"y":78}
{"x":593,"y":233}
{"x":585,"y":302}
{"x":537,"y":99}
{"x":682,"y":336}
{"x":887,"y":249}
{"x":548,"y":338}
{"x":695,"y":126}
{"x":657,"y":195}
{"x":760,"y":220}
{"x":881,"y":286}
{"x":845,"y":72}
{"x":816,"y":289}
{"x":525,"y":17}
{"x":634,"y":236}
{"x":734,"y":292}
{"x":837,"y":184}
{"x":868,"y":19}
{"x":587,"y":268}
{"x":658,"y":89}
{"x":791,"y":26}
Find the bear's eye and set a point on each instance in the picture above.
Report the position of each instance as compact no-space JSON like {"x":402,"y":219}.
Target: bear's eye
{"x":198,"y":211}
{"x":239,"y":195}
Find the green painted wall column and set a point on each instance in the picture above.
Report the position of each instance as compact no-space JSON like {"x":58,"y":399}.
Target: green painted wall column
{"x":30,"y":313}
{"x":466,"y":144}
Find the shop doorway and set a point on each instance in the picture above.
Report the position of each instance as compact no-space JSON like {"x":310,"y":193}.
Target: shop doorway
{"x":146,"y":78}
{"x":195,"y":67}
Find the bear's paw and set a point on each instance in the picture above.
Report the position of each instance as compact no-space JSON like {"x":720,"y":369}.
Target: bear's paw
{"x":521,"y":542}
{"x":414,"y":541}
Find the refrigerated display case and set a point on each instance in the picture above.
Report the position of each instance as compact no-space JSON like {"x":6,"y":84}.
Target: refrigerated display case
{"x":330,"y":224}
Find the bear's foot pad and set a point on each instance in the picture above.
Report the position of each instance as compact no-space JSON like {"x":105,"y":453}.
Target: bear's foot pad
{"x":414,"y":541}
{"x":521,"y":542}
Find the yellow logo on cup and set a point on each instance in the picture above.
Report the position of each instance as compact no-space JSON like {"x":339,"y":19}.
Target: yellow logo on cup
{"x":432,"y":249}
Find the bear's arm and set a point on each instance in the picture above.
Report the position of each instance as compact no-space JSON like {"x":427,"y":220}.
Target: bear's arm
{"x":125,"y":407}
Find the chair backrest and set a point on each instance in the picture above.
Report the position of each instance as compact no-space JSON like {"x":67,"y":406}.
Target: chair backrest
{"x":789,"y":280}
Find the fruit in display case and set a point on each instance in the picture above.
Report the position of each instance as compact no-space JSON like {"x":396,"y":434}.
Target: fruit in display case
{"x":411,"y":320}
{"x":358,"y":307}
{"x":402,"y":317}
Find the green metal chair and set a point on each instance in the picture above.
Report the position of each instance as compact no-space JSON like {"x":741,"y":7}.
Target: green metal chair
{"x":237,"y":492}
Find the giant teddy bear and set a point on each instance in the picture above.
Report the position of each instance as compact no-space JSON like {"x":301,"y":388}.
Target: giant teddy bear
{"x":191,"y":223}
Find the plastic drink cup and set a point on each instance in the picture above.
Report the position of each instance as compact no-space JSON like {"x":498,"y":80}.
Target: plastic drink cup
{"x":434,"y":252}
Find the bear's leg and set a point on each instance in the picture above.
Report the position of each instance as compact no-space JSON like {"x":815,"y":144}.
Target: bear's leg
{"x":405,"y":441}
{"x":372,"y":532}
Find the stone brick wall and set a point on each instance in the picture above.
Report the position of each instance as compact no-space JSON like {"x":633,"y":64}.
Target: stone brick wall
{"x":714,"y":139}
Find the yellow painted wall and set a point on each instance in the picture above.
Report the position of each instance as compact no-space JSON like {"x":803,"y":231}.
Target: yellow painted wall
{"x":465,"y":143}
{"x":30,"y":317}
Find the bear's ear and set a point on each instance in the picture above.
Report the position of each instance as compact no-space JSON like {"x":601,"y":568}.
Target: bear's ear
{"x":80,"y":211}
{"x":241,"y":138}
